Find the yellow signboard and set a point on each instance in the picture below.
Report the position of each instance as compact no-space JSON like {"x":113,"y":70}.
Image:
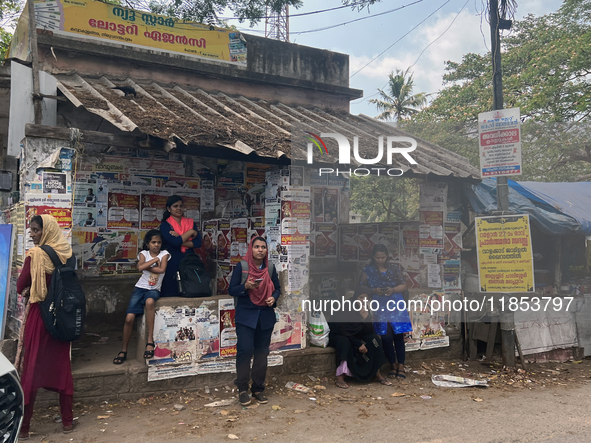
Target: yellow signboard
{"x":505,"y":257}
{"x":104,"y":21}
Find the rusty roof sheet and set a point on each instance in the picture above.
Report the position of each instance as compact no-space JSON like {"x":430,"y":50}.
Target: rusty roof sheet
{"x":213,"y":119}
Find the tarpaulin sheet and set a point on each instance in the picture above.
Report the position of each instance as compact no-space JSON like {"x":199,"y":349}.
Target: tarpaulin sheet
{"x":572,"y":199}
{"x":545,"y":215}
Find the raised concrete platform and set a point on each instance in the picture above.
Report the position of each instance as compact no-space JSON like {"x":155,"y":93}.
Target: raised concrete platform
{"x":96,"y":378}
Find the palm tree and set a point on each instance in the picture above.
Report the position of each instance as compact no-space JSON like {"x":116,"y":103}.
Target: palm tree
{"x":399,"y":103}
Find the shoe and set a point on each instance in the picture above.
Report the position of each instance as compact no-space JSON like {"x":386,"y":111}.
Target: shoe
{"x":260,"y":397}
{"x":244,"y":398}
{"x":22,"y":436}
{"x":69,"y":429}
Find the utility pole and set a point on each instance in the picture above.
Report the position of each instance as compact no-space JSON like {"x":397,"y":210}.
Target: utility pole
{"x":497,"y":23}
{"x":37,"y":99}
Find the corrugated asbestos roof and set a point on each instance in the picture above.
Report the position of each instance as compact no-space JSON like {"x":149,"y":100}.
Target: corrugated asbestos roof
{"x":194,"y":116}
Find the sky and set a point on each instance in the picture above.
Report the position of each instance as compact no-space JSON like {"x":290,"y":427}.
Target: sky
{"x":452,"y":28}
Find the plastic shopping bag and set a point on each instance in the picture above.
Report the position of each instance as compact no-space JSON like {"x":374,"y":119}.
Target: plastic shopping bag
{"x":318,"y":331}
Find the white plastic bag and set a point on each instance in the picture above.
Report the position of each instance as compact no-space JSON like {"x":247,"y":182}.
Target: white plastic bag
{"x":318,"y":331}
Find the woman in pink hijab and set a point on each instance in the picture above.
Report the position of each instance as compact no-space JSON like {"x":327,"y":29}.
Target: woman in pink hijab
{"x":256,"y":290}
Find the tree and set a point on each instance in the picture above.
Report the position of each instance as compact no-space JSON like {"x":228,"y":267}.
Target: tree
{"x":385,"y":198}
{"x":399,"y":103}
{"x":9,"y":13}
{"x":546,"y":68}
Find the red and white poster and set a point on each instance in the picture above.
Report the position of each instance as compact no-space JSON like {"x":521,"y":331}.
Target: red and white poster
{"x":225,"y":270}
{"x":224,"y":240}
{"x":228,"y":337}
{"x":348,"y":243}
{"x":209,"y":234}
{"x":239,"y":245}
{"x":153,"y":205}
{"x":325,"y":240}
{"x":123,"y":207}
{"x":452,"y":242}
{"x":367,"y":234}
{"x":288,"y":333}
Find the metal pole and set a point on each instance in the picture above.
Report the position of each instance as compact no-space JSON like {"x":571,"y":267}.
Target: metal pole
{"x":507,"y":326}
{"x":37,"y":99}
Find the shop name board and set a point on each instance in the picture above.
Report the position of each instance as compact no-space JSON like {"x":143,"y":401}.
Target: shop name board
{"x":97,"y":20}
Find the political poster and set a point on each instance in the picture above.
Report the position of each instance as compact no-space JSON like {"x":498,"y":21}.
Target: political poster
{"x":505,"y":254}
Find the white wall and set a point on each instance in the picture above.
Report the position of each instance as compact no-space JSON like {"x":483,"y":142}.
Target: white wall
{"x":21,"y":103}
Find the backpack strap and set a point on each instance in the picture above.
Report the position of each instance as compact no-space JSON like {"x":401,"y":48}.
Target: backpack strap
{"x":244,"y":276}
{"x":57,"y":263}
{"x":244,"y":265}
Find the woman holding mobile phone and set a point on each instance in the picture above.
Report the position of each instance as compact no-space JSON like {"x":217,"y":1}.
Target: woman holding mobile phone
{"x":391,"y":320}
{"x":255,"y":319}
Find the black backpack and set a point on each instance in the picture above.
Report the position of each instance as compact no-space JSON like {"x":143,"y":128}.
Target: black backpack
{"x":64,"y":309}
{"x":194,"y":279}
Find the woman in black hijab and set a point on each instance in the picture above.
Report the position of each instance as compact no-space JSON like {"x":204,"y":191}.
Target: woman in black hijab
{"x":359,"y":349}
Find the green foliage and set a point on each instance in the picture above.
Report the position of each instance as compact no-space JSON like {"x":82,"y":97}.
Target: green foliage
{"x":5,"y":38}
{"x":208,"y":11}
{"x":384,"y":198}
{"x":546,"y":73}
{"x":399,"y":103}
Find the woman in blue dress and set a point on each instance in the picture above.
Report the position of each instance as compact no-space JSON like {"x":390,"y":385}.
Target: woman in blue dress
{"x":386,"y":284}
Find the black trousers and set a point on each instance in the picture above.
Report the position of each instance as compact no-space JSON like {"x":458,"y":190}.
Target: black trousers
{"x":394,"y":347}
{"x":252,"y":342}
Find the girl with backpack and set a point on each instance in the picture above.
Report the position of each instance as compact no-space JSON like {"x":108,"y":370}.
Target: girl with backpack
{"x":179,"y":237}
{"x":255,"y":318}
{"x":43,"y":361}
{"x":152,"y":263}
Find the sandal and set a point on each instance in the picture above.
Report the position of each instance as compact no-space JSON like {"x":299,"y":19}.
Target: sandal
{"x":341,"y":385}
{"x":393,"y":373}
{"x":120,"y":358}
{"x":149,"y":354}
{"x":400,"y":375}
{"x":385,"y":382}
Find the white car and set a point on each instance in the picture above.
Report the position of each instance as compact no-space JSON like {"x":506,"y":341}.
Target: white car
{"x":12,"y":403}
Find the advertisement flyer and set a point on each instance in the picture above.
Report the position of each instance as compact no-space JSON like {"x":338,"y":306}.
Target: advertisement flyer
{"x":452,"y":241}
{"x":239,"y":245}
{"x":55,"y":183}
{"x":175,"y":334}
{"x":505,"y":255}
{"x":224,"y":239}
{"x":209,"y":234}
{"x":325,"y":202}
{"x":348,"y":247}
{"x":224,"y":275}
{"x":367,"y":234}
{"x":288,"y":333}
{"x":191,"y":202}
{"x":389,"y":235}
{"x":499,"y":136}
{"x":228,"y":337}
{"x":123,"y":207}
{"x":94,"y":249}
{"x":325,"y":239}
{"x":153,"y":205}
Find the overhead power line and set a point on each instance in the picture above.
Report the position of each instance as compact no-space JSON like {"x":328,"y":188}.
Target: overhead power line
{"x":358,"y":19}
{"x":389,"y":47}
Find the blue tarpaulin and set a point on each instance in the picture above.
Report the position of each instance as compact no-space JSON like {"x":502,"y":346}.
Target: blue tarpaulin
{"x":555,"y":208}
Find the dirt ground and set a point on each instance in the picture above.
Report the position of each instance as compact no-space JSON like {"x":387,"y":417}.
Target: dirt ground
{"x":549,"y":402}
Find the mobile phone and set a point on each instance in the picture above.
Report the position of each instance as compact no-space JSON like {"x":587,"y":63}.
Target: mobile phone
{"x":258,"y":280}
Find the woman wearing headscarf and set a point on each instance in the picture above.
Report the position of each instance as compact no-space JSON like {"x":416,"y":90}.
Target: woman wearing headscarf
{"x":391,"y":319}
{"x":43,"y":361}
{"x":255,"y":319}
{"x":179,"y":237}
{"x":359,"y":351}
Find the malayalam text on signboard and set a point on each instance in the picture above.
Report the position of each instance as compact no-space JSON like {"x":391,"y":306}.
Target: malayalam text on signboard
{"x":499,"y":138}
{"x":505,"y":257}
